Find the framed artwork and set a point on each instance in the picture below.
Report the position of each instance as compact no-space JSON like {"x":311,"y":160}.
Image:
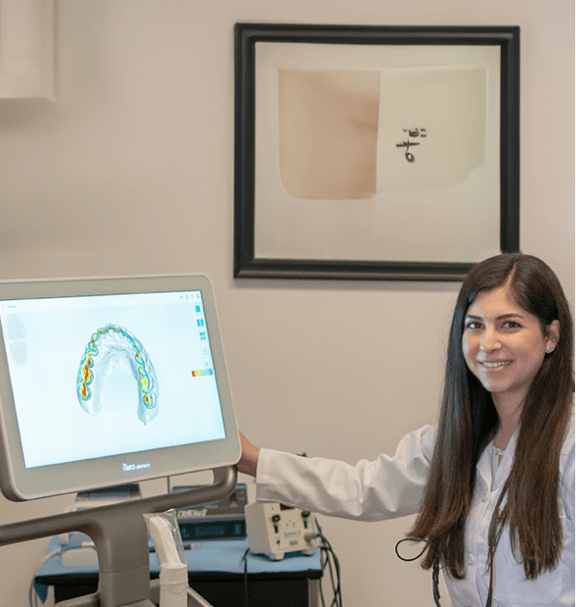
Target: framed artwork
{"x":374,"y":152}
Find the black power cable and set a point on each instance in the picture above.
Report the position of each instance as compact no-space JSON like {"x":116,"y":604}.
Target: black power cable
{"x":329,"y":561}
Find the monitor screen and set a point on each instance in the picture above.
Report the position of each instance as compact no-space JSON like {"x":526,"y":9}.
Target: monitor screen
{"x":109,"y":381}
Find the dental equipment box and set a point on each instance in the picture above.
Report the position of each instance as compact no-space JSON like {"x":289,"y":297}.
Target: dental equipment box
{"x":274,"y":530}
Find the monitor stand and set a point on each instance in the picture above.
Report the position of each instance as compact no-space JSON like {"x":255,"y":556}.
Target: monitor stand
{"x":121,"y":538}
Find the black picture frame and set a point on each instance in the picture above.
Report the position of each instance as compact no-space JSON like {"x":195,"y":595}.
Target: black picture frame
{"x":247,"y":35}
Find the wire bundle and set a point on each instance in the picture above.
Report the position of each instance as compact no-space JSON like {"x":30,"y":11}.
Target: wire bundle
{"x":330,"y":561}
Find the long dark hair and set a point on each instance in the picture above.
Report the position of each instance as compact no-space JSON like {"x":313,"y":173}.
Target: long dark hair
{"x":468,"y":420}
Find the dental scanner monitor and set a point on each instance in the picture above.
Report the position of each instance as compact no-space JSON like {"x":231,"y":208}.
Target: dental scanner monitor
{"x":110,"y":381}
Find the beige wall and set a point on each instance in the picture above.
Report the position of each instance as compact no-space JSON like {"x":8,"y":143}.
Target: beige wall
{"x":131,"y":171}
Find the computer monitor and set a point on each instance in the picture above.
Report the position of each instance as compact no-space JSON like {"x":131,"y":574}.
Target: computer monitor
{"x":110,"y":381}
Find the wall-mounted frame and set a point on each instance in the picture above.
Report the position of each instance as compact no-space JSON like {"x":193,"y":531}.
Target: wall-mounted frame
{"x":368,"y":152}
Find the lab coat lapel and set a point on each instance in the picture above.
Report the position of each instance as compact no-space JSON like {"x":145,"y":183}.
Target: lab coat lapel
{"x":484,"y":468}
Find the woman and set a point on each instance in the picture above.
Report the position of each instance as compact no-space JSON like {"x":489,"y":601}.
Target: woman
{"x":501,"y":453}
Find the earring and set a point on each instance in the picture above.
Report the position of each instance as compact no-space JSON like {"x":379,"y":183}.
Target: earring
{"x":550,"y":348}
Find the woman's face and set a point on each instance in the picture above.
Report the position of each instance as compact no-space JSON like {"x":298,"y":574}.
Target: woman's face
{"x":503,"y":345}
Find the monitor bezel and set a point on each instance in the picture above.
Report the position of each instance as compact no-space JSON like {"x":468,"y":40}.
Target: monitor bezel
{"x":19,"y":483}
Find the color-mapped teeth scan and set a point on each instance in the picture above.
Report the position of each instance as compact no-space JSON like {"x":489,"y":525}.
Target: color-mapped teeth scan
{"x":108,"y":346}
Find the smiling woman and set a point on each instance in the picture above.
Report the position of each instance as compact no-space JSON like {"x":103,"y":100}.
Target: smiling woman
{"x":493,"y":481}
{"x":504,"y":347}
{"x":508,"y":375}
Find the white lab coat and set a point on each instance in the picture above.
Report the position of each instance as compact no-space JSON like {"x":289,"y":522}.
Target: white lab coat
{"x":391,"y":487}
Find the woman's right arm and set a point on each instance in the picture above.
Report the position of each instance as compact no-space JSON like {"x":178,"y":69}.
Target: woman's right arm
{"x":385,"y":488}
{"x":249,"y":461}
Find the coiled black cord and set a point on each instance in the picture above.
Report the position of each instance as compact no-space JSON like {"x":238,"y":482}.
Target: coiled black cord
{"x":435,"y":566}
{"x":494,"y":533}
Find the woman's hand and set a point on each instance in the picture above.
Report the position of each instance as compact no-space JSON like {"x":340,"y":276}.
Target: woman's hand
{"x":249,"y":460}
